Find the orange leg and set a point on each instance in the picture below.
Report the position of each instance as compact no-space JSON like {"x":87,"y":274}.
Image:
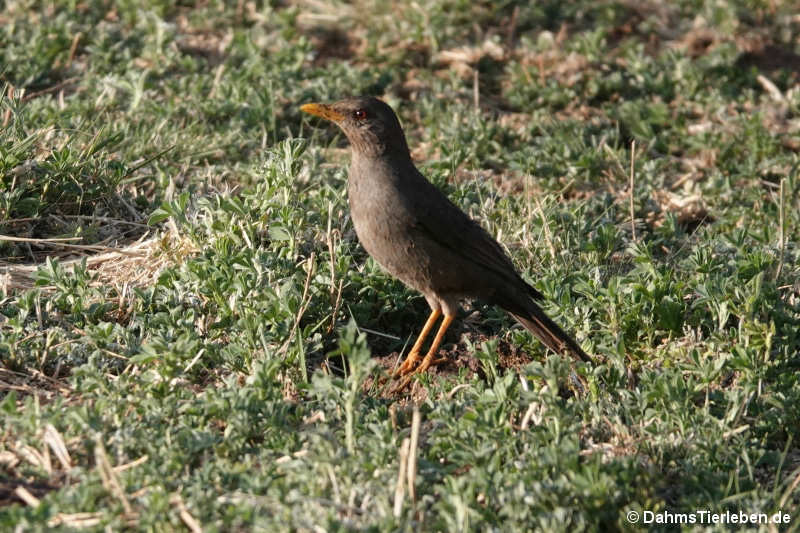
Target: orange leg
{"x":429,"y":357}
{"x":413,"y":356}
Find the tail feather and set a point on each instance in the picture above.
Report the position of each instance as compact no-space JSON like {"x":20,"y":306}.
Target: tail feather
{"x":549,"y":332}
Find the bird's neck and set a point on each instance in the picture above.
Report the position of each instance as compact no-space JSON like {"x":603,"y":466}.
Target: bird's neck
{"x":370,"y":144}
{"x":391,"y":165}
{"x":393,"y":158}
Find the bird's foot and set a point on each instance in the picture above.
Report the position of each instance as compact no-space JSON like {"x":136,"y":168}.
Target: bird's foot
{"x":411,"y":361}
{"x":427,"y":362}
{"x":408,"y":365}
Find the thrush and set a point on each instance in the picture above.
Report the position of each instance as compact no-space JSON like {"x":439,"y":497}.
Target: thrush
{"x":420,"y":237}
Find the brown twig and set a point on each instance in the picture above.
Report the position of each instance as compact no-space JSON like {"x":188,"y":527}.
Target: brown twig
{"x":57,"y":87}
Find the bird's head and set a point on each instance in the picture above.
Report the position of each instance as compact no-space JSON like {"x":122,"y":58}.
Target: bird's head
{"x":369,"y":124}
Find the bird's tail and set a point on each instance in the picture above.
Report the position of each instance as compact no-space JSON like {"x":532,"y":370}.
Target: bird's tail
{"x":549,"y":332}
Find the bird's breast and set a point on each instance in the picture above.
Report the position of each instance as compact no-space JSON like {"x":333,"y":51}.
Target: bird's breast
{"x":383,"y":220}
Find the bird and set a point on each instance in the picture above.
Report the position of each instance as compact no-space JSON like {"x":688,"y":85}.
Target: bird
{"x":422,"y":238}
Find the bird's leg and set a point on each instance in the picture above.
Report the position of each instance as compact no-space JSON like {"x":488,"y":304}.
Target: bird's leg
{"x":428,"y":360}
{"x":429,"y":357}
{"x":413,"y":355}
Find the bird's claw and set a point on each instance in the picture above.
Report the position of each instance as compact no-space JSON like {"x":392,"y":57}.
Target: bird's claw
{"x":408,"y":365}
{"x":407,"y":370}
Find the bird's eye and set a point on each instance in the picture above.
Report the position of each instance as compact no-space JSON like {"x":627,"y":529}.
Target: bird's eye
{"x":359,"y":114}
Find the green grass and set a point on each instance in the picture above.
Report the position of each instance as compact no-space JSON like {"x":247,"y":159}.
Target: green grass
{"x":242,"y":383}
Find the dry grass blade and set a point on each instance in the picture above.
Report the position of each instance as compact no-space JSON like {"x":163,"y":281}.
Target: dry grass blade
{"x":109,"y":476}
{"x":23,"y":494}
{"x":770,"y":88}
{"x":53,"y":439}
{"x":532,"y":414}
{"x":137,"y":264}
{"x":187,"y":518}
{"x":416,"y":419}
{"x":75,"y":520}
{"x":54,"y":240}
{"x":790,"y":490}
{"x":9,"y":459}
{"x":781,"y":228}
{"x":141,"y":460}
{"x":457,"y":388}
{"x":546,"y":227}
{"x":35,"y":457}
{"x":304,"y":301}
{"x":400,"y":488}
{"x":632,"y":177}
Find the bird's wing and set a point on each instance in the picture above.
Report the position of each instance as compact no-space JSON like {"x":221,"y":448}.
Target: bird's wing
{"x":443,"y":222}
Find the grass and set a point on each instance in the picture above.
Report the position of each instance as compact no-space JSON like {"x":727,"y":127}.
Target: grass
{"x":223,"y":364}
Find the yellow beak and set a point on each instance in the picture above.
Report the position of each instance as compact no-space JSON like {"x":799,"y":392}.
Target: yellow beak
{"x":322,"y":110}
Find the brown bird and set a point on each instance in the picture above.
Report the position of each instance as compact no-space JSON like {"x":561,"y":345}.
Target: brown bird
{"x":419,"y":236}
